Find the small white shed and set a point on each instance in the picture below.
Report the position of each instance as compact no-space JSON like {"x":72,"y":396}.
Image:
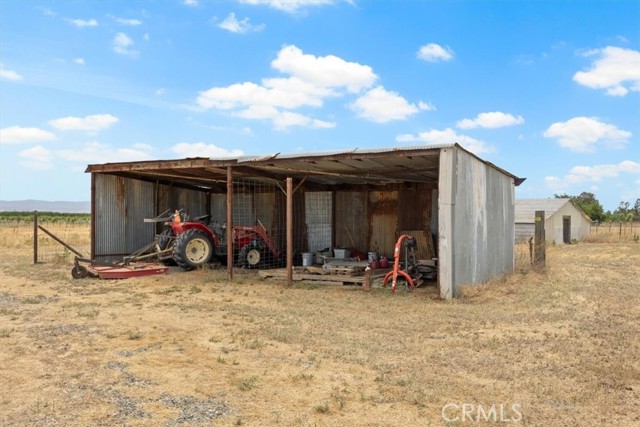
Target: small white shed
{"x":563,"y":220}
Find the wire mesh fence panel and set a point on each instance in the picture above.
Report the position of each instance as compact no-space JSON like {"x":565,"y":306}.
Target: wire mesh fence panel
{"x":259,"y":221}
{"x":318,"y":219}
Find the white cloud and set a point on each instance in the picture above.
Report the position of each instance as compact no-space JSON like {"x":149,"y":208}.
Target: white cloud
{"x":311,"y":80}
{"x":283,"y":120}
{"x":291,"y":6}
{"x":232,"y":24}
{"x":494,"y":119}
{"x":381,"y":106}
{"x":81,"y":23}
{"x":146,"y":37}
{"x":617,"y":70}
{"x":9,"y":74}
{"x":433,"y":52}
{"x":447,"y":136}
{"x":127,"y":21}
{"x":122,"y":45}
{"x":21,"y":135}
{"x":37,"y":157}
{"x":95,"y":152}
{"x":200,"y":149}
{"x":92,"y":123}
{"x":581,"y":134}
{"x":324,"y":71}
{"x":160,"y":91}
{"x":192,"y":3}
{"x":47,"y":12}
{"x":79,"y":61}
{"x":593,"y":174}
{"x":426,"y":106}
{"x":278,"y":92}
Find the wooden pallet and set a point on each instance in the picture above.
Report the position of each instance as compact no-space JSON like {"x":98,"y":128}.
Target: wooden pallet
{"x":324,"y":279}
{"x":347,"y":271}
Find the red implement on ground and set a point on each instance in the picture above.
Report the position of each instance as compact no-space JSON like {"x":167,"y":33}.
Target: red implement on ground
{"x":409,"y":244}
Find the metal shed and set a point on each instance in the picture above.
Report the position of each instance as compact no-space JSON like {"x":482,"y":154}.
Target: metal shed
{"x":441,"y":193}
{"x":563,"y":220}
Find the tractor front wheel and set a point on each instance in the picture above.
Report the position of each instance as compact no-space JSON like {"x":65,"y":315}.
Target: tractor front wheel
{"x":193,"y":249}
{"x":250,"y":257}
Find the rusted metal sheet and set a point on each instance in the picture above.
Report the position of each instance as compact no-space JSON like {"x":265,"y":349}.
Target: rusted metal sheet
{"x":193,"y":203}
{"x":351,"y":214}
{"x":120,"y":205}
{"x":383,"y":211}
{"x":218,"y":208}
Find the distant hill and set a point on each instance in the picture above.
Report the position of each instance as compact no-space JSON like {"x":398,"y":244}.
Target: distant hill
{"x":44,"y":206}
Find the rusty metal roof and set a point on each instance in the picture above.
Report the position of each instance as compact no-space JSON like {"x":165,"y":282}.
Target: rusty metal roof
{"x":344,"y":167}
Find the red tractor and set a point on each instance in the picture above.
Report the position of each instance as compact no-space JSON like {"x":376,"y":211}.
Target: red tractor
{"x":193,"y":243}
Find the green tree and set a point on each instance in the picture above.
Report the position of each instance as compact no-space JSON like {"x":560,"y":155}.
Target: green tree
{"x":589,"y":204}
{"x":626,"y":212}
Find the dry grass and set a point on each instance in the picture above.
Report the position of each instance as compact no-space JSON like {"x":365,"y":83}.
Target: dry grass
{"x":191,"y":349}
{"x":614,"y":232}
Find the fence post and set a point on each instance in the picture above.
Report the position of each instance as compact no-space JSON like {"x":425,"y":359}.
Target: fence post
{"x":35,"y":237}
{"x":539,"y":253}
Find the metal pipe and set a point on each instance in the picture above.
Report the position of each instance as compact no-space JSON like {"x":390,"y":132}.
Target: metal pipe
{"x":229,"y":223}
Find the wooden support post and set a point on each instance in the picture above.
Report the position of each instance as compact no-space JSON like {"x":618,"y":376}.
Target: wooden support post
{"x":367,"y":279}
{"x":539,"y":256}
{"x":35,"y":237}
{"x":229,"y":223}
{"x":289,"y":231}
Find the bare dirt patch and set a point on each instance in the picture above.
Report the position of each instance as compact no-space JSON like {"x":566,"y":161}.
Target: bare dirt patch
{"x":190,"y":349}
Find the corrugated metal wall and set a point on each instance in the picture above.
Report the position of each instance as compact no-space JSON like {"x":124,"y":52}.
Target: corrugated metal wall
{"x":120,"y":206}
{"x":483,"y":222}
{"x":524,"y":231}
{"x":383,"y":211}
{"x":351,"y":214}
{"x":193,"y":203}
{"x":375,"y":219}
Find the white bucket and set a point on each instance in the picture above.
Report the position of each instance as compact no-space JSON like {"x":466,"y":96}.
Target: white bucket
{"x":373,"y":256}
{"x":307,"y":259}
{"x":341,"y":253}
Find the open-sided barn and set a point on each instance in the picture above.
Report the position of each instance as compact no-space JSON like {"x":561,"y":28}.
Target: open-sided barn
{"x":458,"y":206}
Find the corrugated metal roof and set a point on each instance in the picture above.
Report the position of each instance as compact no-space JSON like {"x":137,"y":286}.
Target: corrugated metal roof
{"x":329,"y":153}
{"x":343,"y":167}
{"x":525,"y":209}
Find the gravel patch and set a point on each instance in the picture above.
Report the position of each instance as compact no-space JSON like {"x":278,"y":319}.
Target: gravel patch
{"x":194,"y":412}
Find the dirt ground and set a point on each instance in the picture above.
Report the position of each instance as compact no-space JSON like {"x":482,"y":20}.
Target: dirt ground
{"x":558,"y":348}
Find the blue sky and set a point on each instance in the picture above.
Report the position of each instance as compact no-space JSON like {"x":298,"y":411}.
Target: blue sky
{"x":548,"y":90}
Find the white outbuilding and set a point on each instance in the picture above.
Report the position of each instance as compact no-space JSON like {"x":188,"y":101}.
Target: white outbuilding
{"x":563,"y":220}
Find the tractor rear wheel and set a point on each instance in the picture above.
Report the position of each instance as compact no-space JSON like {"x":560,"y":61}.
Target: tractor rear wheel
{"x":193,"y":249}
